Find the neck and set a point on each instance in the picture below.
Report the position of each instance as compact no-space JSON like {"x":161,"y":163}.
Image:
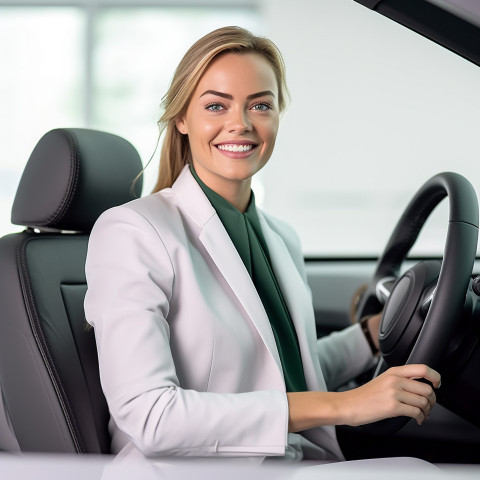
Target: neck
{"x":236,"y":192}
{"x":237,"y":195}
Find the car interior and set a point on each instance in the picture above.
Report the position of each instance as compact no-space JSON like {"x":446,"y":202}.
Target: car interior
{"x":451,"y":434}
{"x":50,"y":395}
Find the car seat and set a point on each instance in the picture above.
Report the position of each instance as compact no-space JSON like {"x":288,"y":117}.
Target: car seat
{"x":50,"y":394}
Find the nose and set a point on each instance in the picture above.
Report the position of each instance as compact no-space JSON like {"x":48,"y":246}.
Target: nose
{"x":239,"y":121}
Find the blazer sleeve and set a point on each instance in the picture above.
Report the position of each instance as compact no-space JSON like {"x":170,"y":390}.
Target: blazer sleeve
{"x":131,"y":279}
{"x":344,"y":355}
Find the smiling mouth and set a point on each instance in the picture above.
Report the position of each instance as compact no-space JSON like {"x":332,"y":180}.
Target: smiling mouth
{"x":230,"y":147}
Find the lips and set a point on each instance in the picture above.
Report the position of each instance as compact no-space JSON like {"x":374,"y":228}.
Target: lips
{"x":237,"y":148}
{"x":232,"y":147}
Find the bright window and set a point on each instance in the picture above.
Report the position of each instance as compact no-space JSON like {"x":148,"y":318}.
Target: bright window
{"x":41,"y":86}
{"x":104,"y":67}
{"x":376,"y":109}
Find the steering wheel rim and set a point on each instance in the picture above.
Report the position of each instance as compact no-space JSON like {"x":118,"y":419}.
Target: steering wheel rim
{"x":455,"y":272}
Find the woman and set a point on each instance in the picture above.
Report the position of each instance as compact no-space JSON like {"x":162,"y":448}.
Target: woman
{"x":202,"y":315}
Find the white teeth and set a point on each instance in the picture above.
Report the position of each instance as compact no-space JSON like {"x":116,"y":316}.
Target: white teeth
{"x":235,"y":148}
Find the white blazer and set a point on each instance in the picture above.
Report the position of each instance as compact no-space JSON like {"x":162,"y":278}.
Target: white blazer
{"x":188,"y":361}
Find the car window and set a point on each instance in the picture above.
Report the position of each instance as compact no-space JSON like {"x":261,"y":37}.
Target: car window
{"x":375,"y":108}
{"x":84,"y":64}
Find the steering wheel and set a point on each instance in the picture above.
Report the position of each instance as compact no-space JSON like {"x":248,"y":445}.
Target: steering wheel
{"x":424,"y":305}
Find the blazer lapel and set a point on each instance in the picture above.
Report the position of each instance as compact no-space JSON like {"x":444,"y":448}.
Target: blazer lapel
{"x":223,"y":253}
{"x":299,"y":302}
{"x":218,"y":244}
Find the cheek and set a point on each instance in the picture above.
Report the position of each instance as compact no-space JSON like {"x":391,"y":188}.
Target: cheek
{"x":203,"y":134}
{"x":269,"y":131}
{"x":209,"y":131}
{"x":271,"y":136}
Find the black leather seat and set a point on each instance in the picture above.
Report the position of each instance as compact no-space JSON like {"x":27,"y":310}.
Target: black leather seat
{"x":50,"y":389}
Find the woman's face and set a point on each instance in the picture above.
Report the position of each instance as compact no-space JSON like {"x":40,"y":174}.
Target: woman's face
{"x":232,"y":121}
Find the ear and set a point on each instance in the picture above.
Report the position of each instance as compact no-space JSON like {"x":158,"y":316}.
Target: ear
{"x":181,"y":125}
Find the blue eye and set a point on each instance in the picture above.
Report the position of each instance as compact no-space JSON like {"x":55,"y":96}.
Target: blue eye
{"x":215,"y":107}
{"x":262,"y":107}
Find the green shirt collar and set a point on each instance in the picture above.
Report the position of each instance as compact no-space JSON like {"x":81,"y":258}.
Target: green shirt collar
{"x":228,"y":213}
{"x":235,"y":221}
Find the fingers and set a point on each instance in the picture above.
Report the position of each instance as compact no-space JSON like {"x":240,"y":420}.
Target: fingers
{"x":417,"y":406}
{"x":418,"y":398}
{"x":415,"y":413}
{"x":420,"y":389}
{"x":416,"y":371}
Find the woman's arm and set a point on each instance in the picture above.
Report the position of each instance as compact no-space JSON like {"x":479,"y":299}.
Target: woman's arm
{"x":394,"y":393}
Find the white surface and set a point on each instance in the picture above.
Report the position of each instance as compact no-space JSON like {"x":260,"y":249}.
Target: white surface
{"x":66,"y":467}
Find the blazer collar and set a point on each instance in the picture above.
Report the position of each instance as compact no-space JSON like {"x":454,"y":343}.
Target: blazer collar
{"x":191,"y":199}
{"x":194,"y":203}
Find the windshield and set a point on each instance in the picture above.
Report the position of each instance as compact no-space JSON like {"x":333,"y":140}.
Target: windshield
{"x":375,"y":109}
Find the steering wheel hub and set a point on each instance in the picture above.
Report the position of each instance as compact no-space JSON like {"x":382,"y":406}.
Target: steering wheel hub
{"x":404,"y":312}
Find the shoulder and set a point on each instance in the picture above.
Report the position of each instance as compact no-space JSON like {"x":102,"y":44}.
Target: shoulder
{"x":283,"y":229}
{"x":153,"y":207}
{"x":154,"y":223}
{"x":130,"y":239}
{"x":183,"y":206}
{"x":149,"y":210}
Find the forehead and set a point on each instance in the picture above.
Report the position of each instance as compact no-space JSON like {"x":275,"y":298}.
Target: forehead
{"x":246,"y":72}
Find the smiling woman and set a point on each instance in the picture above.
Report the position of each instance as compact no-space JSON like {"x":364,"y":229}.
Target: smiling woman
{"x":203,"y":318}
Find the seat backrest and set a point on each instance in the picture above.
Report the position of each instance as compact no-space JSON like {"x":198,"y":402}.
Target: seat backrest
{"x":50,"y":394}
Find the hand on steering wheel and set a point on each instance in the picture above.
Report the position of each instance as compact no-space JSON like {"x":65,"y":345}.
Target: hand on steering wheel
{"x":394,"y":393}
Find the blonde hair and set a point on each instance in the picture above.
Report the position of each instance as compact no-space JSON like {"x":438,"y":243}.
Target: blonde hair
{"x":175,"y":151}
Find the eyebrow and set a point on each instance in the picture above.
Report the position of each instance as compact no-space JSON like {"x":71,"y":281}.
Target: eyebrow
{"x":230,"y":97}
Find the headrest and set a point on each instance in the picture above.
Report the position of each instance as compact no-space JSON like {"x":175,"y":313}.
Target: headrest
{"x":72,"y":176}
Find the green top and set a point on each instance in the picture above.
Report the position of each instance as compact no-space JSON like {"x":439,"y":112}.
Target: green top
{"x":246,"y":234}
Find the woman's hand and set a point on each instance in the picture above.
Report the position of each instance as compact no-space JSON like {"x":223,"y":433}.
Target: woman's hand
{"x":397,"y":392}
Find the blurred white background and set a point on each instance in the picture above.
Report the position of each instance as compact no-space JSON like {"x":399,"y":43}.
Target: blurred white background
{"x":376,"y":109}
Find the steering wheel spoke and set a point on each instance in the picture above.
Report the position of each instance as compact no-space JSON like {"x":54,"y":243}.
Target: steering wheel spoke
{"x":384,"y":287}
